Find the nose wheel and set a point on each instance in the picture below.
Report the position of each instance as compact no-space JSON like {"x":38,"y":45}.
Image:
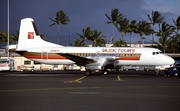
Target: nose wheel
{"x":105,"y":72}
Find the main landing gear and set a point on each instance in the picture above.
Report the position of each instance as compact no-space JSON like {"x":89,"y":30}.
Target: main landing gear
{"x":90,"y":72}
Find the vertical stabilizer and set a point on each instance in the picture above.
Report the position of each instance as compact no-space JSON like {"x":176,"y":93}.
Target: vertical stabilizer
{"x":29,"y":36}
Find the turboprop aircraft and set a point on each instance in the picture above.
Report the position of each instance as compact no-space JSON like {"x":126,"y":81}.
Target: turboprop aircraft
{"x":31,"y":46}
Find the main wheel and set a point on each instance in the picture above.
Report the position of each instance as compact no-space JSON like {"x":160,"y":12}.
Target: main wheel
{"x":88,"y":73}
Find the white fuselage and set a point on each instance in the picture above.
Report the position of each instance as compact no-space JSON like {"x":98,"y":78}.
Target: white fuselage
{"x":142,"y":56}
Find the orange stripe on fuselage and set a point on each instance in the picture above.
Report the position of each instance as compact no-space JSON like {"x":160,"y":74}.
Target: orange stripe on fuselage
{"x":34,"y":55}
{"x":130,"y":56}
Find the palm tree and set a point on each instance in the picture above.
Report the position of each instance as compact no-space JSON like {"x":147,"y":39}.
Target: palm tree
{"x":123,"y":27}
{"x":155,"y":18}
{"x":114,"y":18}
{"x":132,"y":27}
{"x":101,"y":42}
{"x":165,"y":34}
{"x":97,"y":38}
{"x":61,"y":18}
{"x":177,"y":24}
{"x":86,"y":34}
{"x":4,"y":36}
{"x":79,"y":43}
{"x":143,"y":28}
{"x":120,"y":43}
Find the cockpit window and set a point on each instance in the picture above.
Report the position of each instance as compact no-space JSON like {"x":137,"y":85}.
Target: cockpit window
{"x":156,"y":53}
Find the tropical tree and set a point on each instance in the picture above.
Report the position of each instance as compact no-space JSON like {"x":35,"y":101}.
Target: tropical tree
{"x":120,"y":43}
{"x":61,"y":18}
{"x":132,"y":27}
{"x":97,"y":38}
{"x":177,"y":24}
{"x":79,"y":43}
{"x":166,"y":40}
{"x":155,"y":18}
{"x":143,"y":28}
{"x":86,"y":34}
{"x":4,"y":37}
{"x":123,"y":27}
{"x":114,"y":18}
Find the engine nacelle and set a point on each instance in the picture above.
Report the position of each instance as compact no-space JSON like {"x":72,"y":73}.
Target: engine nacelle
{"x":102,"y":60}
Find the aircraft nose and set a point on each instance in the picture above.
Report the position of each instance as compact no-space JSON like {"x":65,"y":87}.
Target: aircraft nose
{"x":171,"y":60}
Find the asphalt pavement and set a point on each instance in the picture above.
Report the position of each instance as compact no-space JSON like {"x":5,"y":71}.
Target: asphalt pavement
{"x":72,"y":91}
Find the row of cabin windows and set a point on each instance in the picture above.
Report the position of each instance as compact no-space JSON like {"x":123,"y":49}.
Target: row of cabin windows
{"x":90,"y":54}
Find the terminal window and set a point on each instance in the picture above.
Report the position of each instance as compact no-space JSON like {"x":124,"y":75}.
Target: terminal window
{"x":27,"y":62}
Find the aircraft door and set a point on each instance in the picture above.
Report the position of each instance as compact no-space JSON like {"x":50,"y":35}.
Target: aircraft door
{"x":44,"y":55}
{"x":97,"y":56}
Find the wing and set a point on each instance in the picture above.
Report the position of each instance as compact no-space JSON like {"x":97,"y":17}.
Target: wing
{"x":77,"y":59}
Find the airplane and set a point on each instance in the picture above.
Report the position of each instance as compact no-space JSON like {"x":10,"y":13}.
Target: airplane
{"x":92,"y":59}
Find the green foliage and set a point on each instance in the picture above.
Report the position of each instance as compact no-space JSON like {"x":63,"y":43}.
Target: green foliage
{"x":120,"y":43}
{"x":166,"y":40}
{"x":86,"y":34}
{"x":4,"y":37}
{"x":143,"y":28}
{"x":115,"y":17}
{"x":177,"y":24}
{"x":123,"y":26}
{"x":155,"y":18}
{"x":61,"y":18}
{"x":79,"y":43}
{"x":92,"y":35}
{"x":97,"y":38}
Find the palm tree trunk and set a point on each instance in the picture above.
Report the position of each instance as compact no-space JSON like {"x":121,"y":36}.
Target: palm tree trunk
{"x":58,"y":39}
{"x":153,"y":35}
{"x":130,"y":38}
{"x":94,"y":44}
{"x":112,"y":34}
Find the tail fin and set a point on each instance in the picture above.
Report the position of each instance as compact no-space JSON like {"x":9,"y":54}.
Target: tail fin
{"x":29,"y":36}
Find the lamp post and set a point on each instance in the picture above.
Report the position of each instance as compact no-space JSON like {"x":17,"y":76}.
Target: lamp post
{"x":143,"y":40}
{"x":8,"y":29}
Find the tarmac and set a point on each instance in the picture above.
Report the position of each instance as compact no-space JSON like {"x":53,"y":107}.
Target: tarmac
{"x":72,"y":91}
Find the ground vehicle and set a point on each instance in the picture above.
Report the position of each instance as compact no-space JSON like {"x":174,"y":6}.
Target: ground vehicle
{"x":126,"y":68}
{"x":27,"y":68}
{"x":7,"y":65}
{"x":173,"y":71}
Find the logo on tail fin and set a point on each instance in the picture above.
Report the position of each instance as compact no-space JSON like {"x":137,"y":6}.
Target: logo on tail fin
{"x":30,"y":35}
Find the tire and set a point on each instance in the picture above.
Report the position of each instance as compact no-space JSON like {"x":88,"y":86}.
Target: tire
{"x":88,"y":73}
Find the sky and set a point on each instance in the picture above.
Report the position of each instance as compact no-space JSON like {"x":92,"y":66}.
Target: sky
{"x":82,"y":14}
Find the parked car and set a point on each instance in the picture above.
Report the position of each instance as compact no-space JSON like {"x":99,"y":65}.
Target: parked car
{"x":126,"y":68}
{"x":27,"y":68}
